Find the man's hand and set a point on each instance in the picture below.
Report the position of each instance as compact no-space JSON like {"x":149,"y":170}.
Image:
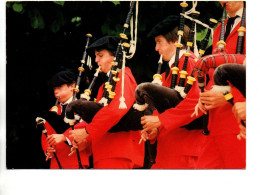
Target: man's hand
{"x":79,"y":135}
{"x":150,"y":127}
{"x":198,"y":107}
{"x":212,"y":99}
{"x":242,"y":133}
{"x":49,"y":152}
{"x":150,"y":122}
{"x":239,"y":110}
{"x":149,"y":135}
{"x":55,"y":139}
{"x":82,"y":146}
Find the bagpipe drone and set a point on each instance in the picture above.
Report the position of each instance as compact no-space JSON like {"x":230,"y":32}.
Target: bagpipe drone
{"x":151,"y":96}
{"x":88,"y":109}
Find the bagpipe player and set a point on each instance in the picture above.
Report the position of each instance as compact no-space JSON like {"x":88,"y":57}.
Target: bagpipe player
{"x":223,"y":150}
{"x":111,"y":150}
{"x":57,"y":141}
{"x":177,"y":147}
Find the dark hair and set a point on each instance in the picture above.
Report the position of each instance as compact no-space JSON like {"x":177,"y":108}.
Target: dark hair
{"x":112,"y":53}
{"x":63,"y":77}
{"x":172,"y":35}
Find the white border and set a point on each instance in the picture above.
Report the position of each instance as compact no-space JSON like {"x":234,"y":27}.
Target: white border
{"x":210,"y":182}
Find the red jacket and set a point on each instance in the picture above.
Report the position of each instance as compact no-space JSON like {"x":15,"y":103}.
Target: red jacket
{"x":63,"y":149}
{"x":173,"y":140}
{"x":223,"y":149}
{"x":120,"y":144}
{"x":231,"y":41}
{"x":219,"y":117}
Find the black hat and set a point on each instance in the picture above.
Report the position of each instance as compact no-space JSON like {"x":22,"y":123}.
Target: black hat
{"x":164,"y":26}
{"x":108,"y":42}
{"x":61,"y":78}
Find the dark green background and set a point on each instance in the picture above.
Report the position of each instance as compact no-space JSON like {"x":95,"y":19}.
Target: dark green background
{"x":43,"y":38}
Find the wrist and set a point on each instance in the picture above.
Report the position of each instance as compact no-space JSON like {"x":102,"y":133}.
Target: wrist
{"x":63,"y":138}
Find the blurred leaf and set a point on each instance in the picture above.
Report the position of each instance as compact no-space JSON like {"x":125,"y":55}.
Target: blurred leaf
{"x":36,"y":18}
{"x":105,"y":28}
{"x":142,"y":27}
{"x":116,"y":2}
{"x":217,"y":3}
{"x":58,"y":22}
{"x":119,"y":29}
{"x":76,"y":19}
{"x":73,"y":19}
{"x":59,"y":2}
{"x":8,"y":4}
{"x":78,"y":24}
{"x":210,"y":41}
{"x":18,"y":7}
{"x":201,"y":34}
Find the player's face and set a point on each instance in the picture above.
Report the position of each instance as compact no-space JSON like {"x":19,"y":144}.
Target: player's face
{"x":64,"y":92}
{"x":232,"y":7}
{"x":104,"y":60}
{"x":165,"y":48}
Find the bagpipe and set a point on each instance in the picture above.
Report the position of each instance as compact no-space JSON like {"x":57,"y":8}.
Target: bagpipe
{"x":234,"y":71}
{"x":228,"y":66}
{"x":235,"y":74}
{"x":40,"y":123}
{"x":76,"y":90}
{"x":221,"y":43}
{"x":151,"y":96}
{"x":57,"y":121}
{"x":88,"y":109}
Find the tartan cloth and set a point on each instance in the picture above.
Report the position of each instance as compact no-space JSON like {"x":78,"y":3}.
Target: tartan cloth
{"x":212,"y":61}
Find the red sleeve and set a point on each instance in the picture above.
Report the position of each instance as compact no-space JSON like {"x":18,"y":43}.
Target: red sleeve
{"x":216,"y":35}
{"x":181,"y":114}
{"x":238,"y":97}
{"x":110,"y":115}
